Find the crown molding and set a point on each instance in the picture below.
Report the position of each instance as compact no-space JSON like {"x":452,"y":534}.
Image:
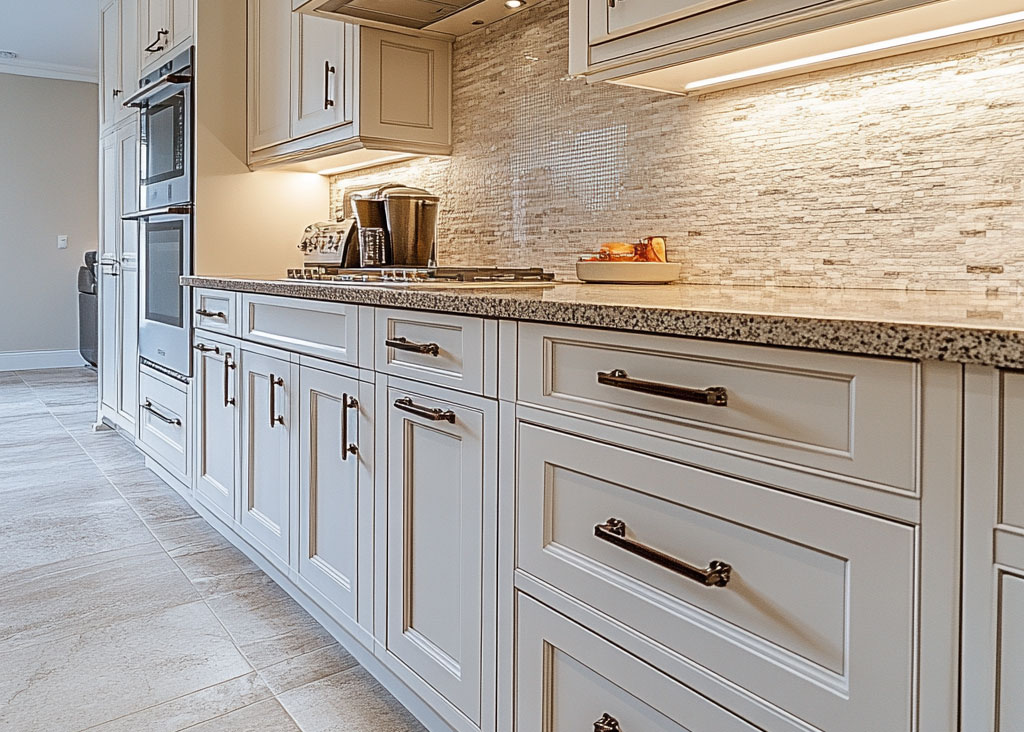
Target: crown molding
{"x":49,"y":71}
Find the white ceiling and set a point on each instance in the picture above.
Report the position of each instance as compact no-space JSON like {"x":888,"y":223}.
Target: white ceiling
{"x":53,"y":38}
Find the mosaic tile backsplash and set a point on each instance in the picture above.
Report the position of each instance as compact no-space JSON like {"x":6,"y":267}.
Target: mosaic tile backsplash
{"x":904,"y":173}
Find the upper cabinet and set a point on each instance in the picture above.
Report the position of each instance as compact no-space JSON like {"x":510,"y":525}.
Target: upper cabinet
{"x":165,"y":27}
{"x":325,"y":94}
{"x":701,"y":45}
{"x":119,"y":62}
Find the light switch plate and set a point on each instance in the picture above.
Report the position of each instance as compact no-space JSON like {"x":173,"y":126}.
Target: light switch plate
{"x":62,"y":241}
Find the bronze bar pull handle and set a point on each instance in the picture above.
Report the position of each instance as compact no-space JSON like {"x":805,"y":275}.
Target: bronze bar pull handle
{"x":347,"y":403}
{"x":203,"y":348}
{"x":607,"y":723}
{"x":275,"y":419}
{"x":404,"y":344}
{"x":434,"y":415}
{"x":715,"y":396}
{"x":151,"y":48}
{"x":229,"y":365}
{"x":613,"y":531}
{"x":328,"y":70}
{"x":204,"y":313}
{"x":148,"y":406}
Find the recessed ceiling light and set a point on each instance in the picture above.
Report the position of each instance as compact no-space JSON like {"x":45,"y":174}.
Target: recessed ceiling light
{"x":8,"y":54}
{"x":513,"y":4}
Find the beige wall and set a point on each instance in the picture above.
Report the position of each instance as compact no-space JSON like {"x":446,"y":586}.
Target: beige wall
{"x":48,"y":186}
{"x":906,"y":172}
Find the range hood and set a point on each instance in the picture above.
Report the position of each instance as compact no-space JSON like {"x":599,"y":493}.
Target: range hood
{"x":429,"y":17}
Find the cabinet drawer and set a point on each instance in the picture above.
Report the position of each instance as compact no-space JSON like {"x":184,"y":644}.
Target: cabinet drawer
{"x":442,"y":349}
{"x":817,"y":613}
{"x":1011,"y":648}
{"x":326,"y":329}
{"x":163,"y":426}
{"x":802,"y":408}
{"x":1012,"y":498}
{"x":216,"y":311}
{"x":567,"y":679}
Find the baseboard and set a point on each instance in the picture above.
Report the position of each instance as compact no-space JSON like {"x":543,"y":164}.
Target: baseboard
{"x":26,"y":360}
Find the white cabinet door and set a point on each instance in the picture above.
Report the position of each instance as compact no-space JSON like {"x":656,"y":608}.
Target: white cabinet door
{"x":438,"y":476}
{"x":127,"y":141}
{"x":613,"y":18}
{"x":110,"y":62}
{"x":267,"y":389}
{"x":321,"y":73}
{"x":181,"y":22}
{"x":333,"y":493}
{"x":128,"y":60}
{"x":216,"y":415}
{"x":109,"y":279}
{"x":154,"y":31}
{"x":269,"y":71}
{"x":1011,"y":654}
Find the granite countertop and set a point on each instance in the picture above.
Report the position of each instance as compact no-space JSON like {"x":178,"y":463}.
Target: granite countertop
{"x":951,"y":326}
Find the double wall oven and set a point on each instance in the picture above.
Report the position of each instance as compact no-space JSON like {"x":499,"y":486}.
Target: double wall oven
{"x":167,"y":186}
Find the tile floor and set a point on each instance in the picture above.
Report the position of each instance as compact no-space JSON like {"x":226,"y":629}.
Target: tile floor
{"x":121,"y":610}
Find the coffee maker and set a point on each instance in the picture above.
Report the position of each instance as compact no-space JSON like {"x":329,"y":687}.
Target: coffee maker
{"x":397,"y":226}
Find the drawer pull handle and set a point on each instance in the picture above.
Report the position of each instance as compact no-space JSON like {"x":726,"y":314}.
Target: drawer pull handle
{"x":607,"y":723}
{"x":204,"y":313}
{"x":403,"y":344}
{"x":229,"y":365}
{"x":347,"y":403}
{"x":613,"y":531}
{"x":148,"y":406}
{"x":434,"y":415}
{"x":274,"y":418}
{"x":716,"y":396}
{"x":203,"y":348}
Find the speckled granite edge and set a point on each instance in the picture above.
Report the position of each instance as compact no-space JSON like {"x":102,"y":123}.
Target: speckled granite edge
{"x":983,"y":346}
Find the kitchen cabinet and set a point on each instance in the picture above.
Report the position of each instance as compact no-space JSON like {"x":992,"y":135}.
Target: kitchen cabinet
{"x":674,"y":46}
{"x":268,"y":389}
{"x":165,"y":426}
{"x":335,"y":492}
{"x":119,"y":59}
{"x":165,"y":27}
{"x":216,"y":425}
{"x":119,"y":276}
{"x":354,"y":95}
{"x":438,"y":579}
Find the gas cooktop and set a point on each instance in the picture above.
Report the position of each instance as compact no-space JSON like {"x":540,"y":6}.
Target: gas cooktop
{"x":426,"y":276}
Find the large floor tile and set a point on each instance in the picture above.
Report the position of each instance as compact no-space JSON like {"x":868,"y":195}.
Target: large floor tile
{"x":265,"y":716}
{"x":46,"y":603}
{"x":349,"y":701}
{"x":269,"y":632}
{"x":307,"y":668}
{"x":106,"y":673}
{"x":211,"y":704}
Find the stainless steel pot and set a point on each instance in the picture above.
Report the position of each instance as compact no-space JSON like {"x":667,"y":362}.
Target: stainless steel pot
{"x":412,"y":225}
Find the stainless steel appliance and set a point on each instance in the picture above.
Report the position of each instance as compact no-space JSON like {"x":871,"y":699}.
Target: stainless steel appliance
{"x":426,"y":276}
{"x":164,"y":100}
{"x":165,"y":220}
{"x":408,"y":218}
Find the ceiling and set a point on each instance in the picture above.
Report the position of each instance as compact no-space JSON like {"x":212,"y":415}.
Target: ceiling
{"x":53,"y":38}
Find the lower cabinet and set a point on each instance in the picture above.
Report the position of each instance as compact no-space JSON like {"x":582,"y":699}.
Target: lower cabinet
{"x":335,"y":492}
{"x":570,"y":680}
{"x":216,"y":416}
{"x":268,"y":426}
{"x":1011,"y":653}
{"x":440,"y":574}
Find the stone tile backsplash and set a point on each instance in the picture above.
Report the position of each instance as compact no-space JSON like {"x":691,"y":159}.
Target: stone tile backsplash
{"x":903,"y":173}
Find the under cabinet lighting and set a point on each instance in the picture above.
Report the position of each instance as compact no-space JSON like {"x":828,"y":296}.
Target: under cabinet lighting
{"x":862,"y":50}
{"x":513,"y":4}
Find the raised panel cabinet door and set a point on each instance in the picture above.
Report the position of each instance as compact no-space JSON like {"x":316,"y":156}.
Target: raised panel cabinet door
{"x":266,"y":463}
{"x":111,"y":90}
{"x":128,"y":58}
{"x":269,"y":72}
{"x":181,"y":21}
{"x":154,"y":31}
{"x":435,"y":532}
{"x":321,"y":70}
{"x":1011,"y":654}
{"x":329,"y":487}
{"x":216,"y":418}
{"x":109,"y":276}
{"x":614,"y":18}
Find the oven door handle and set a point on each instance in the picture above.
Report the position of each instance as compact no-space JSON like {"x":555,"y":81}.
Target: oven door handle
{"x":138,"y":99}
{"x":151,"y":212}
